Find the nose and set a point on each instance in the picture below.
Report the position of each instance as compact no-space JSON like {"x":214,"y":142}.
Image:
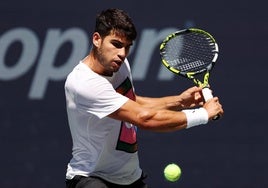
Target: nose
{"x":123,"y":52}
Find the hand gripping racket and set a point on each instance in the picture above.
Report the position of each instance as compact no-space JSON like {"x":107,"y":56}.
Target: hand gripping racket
{"x":191,"y":53}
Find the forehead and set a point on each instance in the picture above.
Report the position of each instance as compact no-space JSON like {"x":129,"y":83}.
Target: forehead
{"x":118,"y":36}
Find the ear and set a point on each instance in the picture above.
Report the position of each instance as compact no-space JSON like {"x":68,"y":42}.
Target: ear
{"x":96,"y":39}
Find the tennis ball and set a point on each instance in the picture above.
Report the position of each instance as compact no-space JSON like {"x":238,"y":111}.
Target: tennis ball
{"x":172,"y":172}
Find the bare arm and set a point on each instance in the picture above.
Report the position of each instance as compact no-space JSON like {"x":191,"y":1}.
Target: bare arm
{"x":150,"y":118}
{"x":158,"y":114}
{"x":192,"y":97}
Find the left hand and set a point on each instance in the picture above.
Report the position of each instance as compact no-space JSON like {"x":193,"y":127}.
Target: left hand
{"x":191,"y":97}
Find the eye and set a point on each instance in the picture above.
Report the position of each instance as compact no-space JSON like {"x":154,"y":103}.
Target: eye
{"x":117,"y":44}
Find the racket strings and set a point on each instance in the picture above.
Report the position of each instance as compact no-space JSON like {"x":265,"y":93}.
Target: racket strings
{"x":189,"y":52}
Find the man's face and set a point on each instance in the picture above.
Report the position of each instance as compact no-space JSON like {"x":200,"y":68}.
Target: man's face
{"x":111,"y":52}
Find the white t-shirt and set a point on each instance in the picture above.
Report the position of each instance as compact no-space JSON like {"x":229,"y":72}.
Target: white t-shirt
{"x":102,"y":146}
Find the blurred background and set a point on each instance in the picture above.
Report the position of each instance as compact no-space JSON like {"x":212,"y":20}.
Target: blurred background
{"x":41,"y":41}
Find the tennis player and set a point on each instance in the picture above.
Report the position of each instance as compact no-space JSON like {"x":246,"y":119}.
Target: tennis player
{"x":104,"y":111}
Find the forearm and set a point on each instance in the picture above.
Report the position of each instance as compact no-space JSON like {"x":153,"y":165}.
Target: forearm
{"x":168,"y":102}
{"x":190,"y":98}
{"x":150,"y":118}
{"x":159,"y":119}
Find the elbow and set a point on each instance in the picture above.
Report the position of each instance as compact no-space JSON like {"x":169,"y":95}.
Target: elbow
{"x":145,"y":120}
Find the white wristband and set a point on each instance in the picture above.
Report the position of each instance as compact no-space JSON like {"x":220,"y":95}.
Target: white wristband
{"x":196,"y":117}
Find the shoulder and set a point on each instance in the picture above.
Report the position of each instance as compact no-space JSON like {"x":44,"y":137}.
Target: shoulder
{"x":83,"y":80}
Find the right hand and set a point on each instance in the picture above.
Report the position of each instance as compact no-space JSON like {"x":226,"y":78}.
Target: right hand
{"x":213,"y":108}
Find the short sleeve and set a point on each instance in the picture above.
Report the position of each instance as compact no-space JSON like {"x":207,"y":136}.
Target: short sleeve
{"x":97,"y":96}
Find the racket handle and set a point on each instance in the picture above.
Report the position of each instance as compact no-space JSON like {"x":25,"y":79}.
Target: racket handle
{"x":207,"y":94}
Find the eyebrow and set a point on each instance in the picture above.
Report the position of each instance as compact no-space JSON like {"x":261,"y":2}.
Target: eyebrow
{"x":118,"y":41}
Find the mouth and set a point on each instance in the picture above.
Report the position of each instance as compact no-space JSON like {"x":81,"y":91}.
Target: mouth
{"x":117,"y":63}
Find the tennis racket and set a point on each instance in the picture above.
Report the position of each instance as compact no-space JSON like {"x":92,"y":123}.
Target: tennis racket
{"x":191,"y":53}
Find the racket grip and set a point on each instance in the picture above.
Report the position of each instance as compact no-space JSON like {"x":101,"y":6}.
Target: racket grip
{"x":207,"y":94}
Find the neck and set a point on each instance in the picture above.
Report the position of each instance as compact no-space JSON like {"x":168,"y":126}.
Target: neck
{"x":92,"y":62}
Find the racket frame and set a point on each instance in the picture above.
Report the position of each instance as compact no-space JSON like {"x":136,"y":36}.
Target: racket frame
{"x":192,"y":75}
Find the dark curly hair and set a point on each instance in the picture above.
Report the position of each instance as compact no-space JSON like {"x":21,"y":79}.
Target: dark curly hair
{"x":115,"y":20}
